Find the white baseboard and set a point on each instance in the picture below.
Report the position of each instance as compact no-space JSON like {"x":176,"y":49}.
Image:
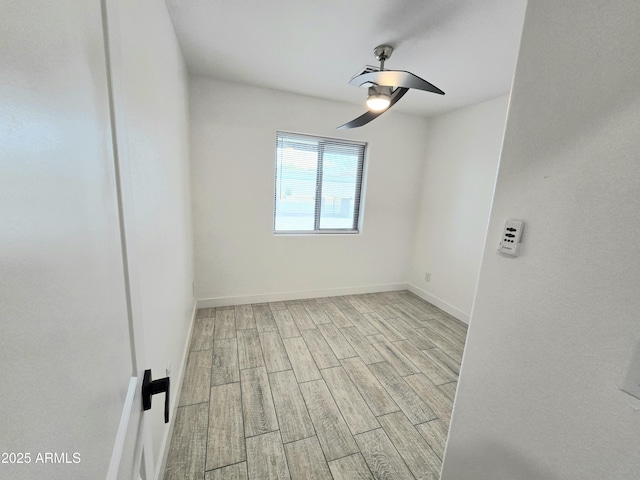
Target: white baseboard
{"x":283,"y":296}
{"x":441,"y":304}
{"x":176,"y":388}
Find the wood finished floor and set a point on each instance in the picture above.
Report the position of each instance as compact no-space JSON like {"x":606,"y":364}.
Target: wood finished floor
{"x":350,"y":387}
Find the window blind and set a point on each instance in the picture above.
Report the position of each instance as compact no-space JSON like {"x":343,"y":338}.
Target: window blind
{"x":318,"y":184}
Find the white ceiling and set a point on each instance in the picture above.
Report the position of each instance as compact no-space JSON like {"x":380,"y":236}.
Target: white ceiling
{"x":467,"y":48}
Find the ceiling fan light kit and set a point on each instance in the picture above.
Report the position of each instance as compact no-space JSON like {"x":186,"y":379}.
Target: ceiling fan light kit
{"x":386,"y":87}
{"x":379,"y":100}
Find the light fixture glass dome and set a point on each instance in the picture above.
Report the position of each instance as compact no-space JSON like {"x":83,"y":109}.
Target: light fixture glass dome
{"x":377,"y":102}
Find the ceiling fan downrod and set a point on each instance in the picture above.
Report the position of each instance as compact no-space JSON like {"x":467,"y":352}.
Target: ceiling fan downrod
{"x":382,"y":53}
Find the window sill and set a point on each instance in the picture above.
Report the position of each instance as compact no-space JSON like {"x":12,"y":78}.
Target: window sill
{"x":315,"y":233}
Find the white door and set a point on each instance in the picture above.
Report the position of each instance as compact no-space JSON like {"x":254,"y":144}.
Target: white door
{"x":70,"y":342}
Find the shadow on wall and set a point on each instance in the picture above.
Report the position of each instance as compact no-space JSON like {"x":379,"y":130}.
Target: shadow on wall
{"x":502,"y":461}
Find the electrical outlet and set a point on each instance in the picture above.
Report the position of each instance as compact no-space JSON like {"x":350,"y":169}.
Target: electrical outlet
{"x":427,"y":276}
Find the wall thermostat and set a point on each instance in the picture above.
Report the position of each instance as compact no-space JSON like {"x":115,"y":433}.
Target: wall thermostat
{"x":510,"y":242}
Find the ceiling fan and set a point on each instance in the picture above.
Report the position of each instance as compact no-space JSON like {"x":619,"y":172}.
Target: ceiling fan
{"x":386,"y":87}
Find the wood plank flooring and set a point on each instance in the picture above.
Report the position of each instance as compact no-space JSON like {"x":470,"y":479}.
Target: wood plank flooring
{"x":343,"y":388}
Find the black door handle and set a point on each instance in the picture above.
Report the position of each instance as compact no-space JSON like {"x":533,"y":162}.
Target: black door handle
{"x":151,"y":387}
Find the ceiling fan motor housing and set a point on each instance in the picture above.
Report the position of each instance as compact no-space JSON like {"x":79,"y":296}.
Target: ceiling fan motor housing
{"x":380,"y":90}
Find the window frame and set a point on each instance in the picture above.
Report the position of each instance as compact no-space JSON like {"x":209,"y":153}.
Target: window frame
{"x":358,"y":196}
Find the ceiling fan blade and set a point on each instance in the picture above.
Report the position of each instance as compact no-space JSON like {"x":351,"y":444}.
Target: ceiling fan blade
{"x":368,"y":116}
{"x":395,"y":78}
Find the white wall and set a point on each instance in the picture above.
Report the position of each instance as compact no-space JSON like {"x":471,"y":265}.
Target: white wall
{"x":552,"y":331}
{"x":238,"y":259}
{"x":154,"y":121}
{"x":461,"y":162}
{"x":65,"y":359}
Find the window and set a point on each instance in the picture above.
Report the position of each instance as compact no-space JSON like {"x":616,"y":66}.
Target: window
{"x":318,"y":184}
